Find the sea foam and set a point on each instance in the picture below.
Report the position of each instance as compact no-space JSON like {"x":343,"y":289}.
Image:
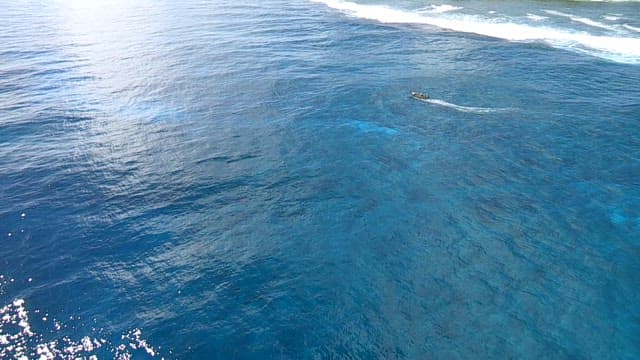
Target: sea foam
{"x":535,"y":17}
{"x":632,"y":28}
{"x":439,"y":9}
{"x":623,"y":49}
{"x":582,"y":20}
{"x":19,"y":341}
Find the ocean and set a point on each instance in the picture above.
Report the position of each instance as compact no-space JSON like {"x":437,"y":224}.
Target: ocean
{"x":227,"y":180}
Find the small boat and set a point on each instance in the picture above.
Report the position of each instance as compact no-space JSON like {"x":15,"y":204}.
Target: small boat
{"x":419,"y":95}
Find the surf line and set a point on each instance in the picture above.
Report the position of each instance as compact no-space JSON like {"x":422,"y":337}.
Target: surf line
{"x":467,"y":109}
{"x":618,"y":48}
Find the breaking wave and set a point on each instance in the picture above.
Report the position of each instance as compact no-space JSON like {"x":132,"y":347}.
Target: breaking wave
{"x":632,"y":28}
{"x":439,"y":9}
{"x":581,"y":20}
{"x":618,"y":47}
{"x":20,"y":340}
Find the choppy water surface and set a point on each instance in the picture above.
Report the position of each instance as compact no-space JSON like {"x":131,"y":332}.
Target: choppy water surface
{"x":252,"y":180}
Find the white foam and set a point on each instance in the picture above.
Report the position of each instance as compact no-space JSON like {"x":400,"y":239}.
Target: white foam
{"x":611,"y":17}
{"x":445,"y":8}
{"x":581,"y":20}
{"x":535,"y":17}
{"x":439,"y":9}
{"x":616,"y":48}
{"x":18,"y":341}
{"x":467,"y":109}
{"x":632,"y":28}
{"x":379,"y":13}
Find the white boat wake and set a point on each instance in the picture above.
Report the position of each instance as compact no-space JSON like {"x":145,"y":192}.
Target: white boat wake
{"x":467,"y":109}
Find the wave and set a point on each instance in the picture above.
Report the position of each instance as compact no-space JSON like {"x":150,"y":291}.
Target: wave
{"x":535,"y":17}
{"x":20,"y":338}
{"x":581,"y":20}
{"x":615,"y":48}
{"x":632,"y":28}
{"x":439,"y":9}
{"x":467,"y":109}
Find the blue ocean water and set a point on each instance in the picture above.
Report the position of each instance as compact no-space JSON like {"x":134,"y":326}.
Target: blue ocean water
{"x":252,"y":180}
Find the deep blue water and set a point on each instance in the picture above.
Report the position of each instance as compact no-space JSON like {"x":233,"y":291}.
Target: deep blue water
{"x":251,"y":180}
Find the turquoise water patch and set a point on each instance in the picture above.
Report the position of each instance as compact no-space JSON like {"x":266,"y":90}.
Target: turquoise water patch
{"x":618,"y":218}
{"x":369,"y":127}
